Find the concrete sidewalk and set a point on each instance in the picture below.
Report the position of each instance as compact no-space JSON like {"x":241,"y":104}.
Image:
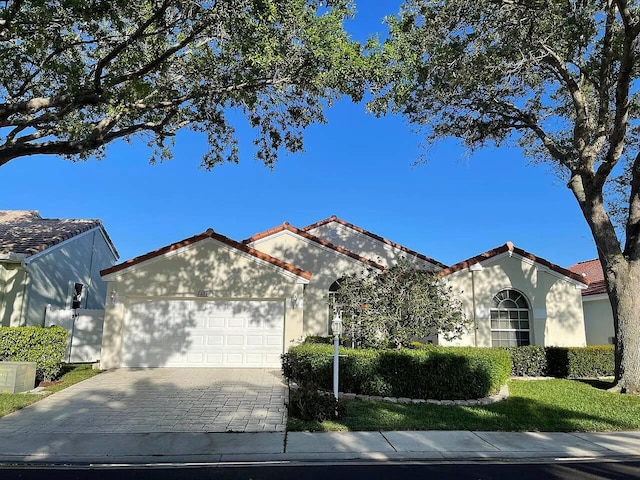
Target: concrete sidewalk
{"x":187,"y":447}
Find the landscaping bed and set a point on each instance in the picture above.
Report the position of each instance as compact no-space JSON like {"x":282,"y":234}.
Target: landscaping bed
{"x":536,"y":405}
{"x":72,"y":374}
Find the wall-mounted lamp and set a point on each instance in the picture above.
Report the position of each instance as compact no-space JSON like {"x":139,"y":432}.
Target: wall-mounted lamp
{"x":113,"y":297}
{"x":294,"y":300}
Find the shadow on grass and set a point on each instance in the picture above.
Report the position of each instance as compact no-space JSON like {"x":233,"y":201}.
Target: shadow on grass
{"x":597,"y":383}
{"x":550,"y":405}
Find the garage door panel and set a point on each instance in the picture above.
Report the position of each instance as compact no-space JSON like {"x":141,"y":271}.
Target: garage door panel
{"x":203,"y":333}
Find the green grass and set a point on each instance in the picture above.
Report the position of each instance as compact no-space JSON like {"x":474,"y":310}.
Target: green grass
{"x":543,"y":405}
{"x":10,"y":402}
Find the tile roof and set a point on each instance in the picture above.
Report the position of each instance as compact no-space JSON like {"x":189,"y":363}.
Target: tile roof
{"x":209,"y":233}
{"x":510,"y":247}
{"x":288,"y":227}
{"x":335,"y":219}
{"x":26,"y":232}
{"x":591,"y":270}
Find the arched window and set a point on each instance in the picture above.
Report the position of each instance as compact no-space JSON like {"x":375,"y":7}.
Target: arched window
{"x":510,"y":319}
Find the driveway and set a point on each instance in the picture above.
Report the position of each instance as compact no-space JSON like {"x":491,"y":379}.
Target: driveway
{"x":160,"y":400}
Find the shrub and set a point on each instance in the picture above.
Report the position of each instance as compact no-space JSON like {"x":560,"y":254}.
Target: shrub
{"x":45,"y":346}
{"x":428,"y":372}
{"x":318,"y":339}
{"x":576,"y":362}
{"x":528,"y":361}
{"x":563,"y":362}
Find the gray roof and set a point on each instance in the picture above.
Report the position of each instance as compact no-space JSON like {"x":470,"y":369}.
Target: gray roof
{"x":26,"y":232}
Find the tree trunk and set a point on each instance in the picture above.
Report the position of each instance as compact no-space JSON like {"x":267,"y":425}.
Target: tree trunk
{"x":623,"y":280}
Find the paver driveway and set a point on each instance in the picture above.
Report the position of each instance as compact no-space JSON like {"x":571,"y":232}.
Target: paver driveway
{"x":160,"y":400}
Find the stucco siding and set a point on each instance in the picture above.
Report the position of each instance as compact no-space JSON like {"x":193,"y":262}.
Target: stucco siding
{"x":207,"y":268}
{"x":555,"y":303}
{"x":325,"y":264}
{"x":79,"y":259}
{"x":375,"y":250}
{"x":598,"y":321}
{"x":13,"y":293}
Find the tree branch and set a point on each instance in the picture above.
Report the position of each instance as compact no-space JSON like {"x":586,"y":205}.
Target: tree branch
{"x":136,"y":35}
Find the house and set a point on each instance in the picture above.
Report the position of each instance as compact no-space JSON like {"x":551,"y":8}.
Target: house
{"x":513,"y":297}
{"x":50,"y":261}
{"x":598,"y":316}
{"x":212,"y":301}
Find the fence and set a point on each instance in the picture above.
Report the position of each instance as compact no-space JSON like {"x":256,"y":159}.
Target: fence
{"x":85,"y":332}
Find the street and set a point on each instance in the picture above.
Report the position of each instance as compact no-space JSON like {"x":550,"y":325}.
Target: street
{"x":464,"y":471}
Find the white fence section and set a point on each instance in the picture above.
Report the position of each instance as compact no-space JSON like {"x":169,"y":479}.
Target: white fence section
{"x":85,"y":332}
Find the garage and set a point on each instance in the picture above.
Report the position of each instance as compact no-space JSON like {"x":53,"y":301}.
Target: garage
{"x":205,"y":301}
{"x":200,"y":333}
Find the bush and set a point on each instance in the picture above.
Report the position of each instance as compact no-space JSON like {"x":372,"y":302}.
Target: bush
{"x":318,"y":339}
{"x":528,"y":361}
{"x":562,"y":362}
{"x":576,"y":362}
{"x":428,"y":372}
{"x":45,"y":346}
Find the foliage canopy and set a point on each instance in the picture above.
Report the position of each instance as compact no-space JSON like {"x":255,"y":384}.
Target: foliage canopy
{"x":77,"y":75}
{"x":398,"y":306}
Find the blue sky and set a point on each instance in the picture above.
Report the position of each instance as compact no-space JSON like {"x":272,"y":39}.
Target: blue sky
{"x":357,"y":167}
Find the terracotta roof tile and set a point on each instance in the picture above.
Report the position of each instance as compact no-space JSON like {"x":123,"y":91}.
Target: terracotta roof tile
{"x":335,"y":219}
{"x":591,"y":270}
{"x":202,"y":236}
{"x":512,"y":248}
{"x":288,"y":227}
{"x":26,"y":232}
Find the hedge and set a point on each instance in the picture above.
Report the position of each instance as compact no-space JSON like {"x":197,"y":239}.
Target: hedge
{"x":431,"y":372}
{"x":564,"y":362}
{"x":45,"y":346}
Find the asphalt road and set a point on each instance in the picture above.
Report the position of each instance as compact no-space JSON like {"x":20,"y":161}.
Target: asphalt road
{"x":470,"y":471}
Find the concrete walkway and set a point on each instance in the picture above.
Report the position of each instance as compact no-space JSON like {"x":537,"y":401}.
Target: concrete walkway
{"x":437,"y":446}
{"x":157,"y":400}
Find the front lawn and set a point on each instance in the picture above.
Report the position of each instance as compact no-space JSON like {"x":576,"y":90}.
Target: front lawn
{"x":10,"y":402}
{"x":534,"y":405}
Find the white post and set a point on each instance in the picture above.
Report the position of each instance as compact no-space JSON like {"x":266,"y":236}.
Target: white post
{"x":336,"y":327}
{"x":336,"y":363}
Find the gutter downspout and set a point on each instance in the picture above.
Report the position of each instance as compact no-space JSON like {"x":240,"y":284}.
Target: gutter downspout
{"x":90,"y":281}
{"x":474,"y":268}
{"x":24,"y":307}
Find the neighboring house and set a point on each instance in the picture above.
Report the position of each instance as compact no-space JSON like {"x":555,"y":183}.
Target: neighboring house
{"x":598,"y":316}
{"x":50,"y":261}
{"x":211,"y":301}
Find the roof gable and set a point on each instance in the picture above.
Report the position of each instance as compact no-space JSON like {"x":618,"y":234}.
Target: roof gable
{"x":512,"y":249}
{"x":334,"y":219}
{"x":208,"y":234}
{"x":25,"y":232}
{"x":286,"y":227}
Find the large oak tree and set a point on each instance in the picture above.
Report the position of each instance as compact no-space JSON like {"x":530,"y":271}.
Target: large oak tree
{"x":559,"y":78}
{"x":78,"y":74}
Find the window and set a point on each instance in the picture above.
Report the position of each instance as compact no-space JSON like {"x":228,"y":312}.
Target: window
{"x":510,"y":319}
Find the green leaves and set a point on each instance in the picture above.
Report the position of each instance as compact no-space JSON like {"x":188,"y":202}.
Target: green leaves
{"x":395,"y":307}
{"x":121,"y":69}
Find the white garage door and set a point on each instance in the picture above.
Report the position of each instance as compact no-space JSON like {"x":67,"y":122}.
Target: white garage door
{"x":194,"y":333}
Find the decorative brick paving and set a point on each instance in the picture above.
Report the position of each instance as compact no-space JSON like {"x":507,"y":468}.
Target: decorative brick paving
{"x":160,"y":400}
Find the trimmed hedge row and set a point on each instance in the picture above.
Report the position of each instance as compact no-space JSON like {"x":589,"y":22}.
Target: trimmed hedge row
{"x":564,"y":362}
{"x":432,"y":372}
{"x":45,"y":346}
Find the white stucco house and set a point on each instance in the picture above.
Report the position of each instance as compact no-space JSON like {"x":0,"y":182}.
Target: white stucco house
{"x":50,"y":261}
{"x":215,"y":302}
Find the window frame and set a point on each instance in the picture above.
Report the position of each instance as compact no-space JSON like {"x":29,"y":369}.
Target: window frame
{"x":510,"y":310}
